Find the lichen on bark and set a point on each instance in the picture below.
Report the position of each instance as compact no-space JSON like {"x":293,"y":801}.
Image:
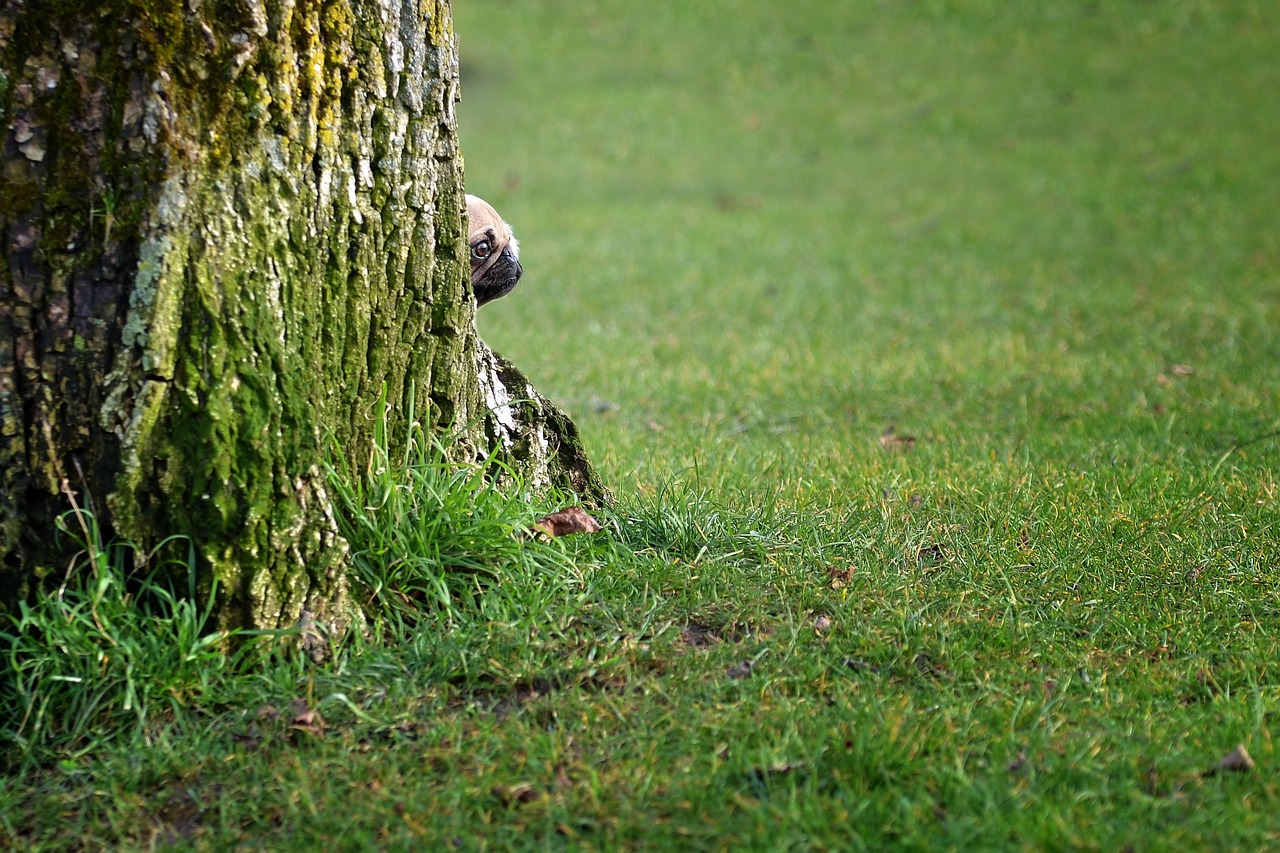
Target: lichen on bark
{"x":524,"y":426}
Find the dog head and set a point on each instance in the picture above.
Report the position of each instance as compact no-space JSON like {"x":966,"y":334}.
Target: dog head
{"x":495,"y":253}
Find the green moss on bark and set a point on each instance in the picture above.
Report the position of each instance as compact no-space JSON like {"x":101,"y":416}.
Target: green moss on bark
{"x":275,"y":175}
{"x":244,"y":224}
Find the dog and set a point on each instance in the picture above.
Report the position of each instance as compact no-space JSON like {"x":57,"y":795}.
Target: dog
{"x":495,"y":252}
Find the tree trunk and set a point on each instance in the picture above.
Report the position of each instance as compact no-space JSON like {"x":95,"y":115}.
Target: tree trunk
{"x":229,"y":226}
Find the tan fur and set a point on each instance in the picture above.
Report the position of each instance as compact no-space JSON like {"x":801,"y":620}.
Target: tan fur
{"x":494,"y":251}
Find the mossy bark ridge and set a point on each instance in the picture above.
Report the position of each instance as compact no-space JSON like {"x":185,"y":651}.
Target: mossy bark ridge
{"x":228,"y":225}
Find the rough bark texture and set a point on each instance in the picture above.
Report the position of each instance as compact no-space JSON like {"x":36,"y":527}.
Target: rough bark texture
{"x":229,"y":225}
{"x":531,"y":431}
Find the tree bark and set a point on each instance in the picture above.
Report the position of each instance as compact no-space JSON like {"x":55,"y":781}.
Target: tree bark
{"x":229,"y":226}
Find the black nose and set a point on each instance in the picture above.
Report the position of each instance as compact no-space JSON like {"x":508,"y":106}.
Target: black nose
{"x":499,"y":280}
{"x":516,"y":269}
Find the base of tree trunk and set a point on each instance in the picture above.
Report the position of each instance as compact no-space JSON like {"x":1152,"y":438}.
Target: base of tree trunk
{"x":231,"y":233}
{"x":531,"y":431}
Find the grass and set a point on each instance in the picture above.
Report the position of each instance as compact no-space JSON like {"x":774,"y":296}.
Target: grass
{"x":1038,"y":242}
{"x":94,"y":661}
{"x":430,"y":537}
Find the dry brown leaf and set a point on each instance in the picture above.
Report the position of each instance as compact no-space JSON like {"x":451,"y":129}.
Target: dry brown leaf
{"x":890,"y":440}
{"x":1182,"y":370}
{"x":839,"y":577}
{"x":1237,"y":760}
{"x":931,"y":553}
{"x":573,"y":519}
{"x":306,"y":719}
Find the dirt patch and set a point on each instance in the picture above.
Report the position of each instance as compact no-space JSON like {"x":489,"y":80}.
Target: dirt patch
{"x":700,"y":636}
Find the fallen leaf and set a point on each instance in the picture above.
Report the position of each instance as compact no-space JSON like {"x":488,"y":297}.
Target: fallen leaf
{"x":573,"y":519}
{"x":1182,"y":370}
{"x":307,"y":719}
{"x":839,"y":577}
{"x":1237,"y":760}
{"x":822,"y":624}
{"x":1194,"y":573}
{"x":890,"y":440}
{"x":740,"y":670}
{"x":933,"y":553}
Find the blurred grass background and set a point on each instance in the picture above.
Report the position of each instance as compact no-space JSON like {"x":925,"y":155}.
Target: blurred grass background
{"x":767,"y":235}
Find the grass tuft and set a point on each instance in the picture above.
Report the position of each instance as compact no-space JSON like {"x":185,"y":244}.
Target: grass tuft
{"x":107,"y":654}
{"x":430,"y":537}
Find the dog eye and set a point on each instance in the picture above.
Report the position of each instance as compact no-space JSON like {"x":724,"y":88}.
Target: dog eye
{"x":481,"y":250}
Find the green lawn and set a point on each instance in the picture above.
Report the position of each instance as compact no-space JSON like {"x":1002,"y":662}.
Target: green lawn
{"x":1038,"y":241}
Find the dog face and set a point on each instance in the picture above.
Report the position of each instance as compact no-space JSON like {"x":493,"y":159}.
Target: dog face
{"x":495,"y":254}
